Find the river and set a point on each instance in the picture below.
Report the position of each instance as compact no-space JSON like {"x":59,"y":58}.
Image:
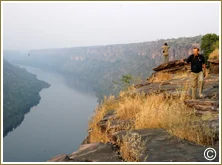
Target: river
{"x":57,"y":125}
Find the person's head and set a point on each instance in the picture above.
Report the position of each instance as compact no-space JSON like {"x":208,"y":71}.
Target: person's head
{"x":195,"y":51}
{"x":165,"y":44}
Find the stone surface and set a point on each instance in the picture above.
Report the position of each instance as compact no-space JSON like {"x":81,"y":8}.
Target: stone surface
{"x":203,"y":104}
{"x":95,"y":152}
{"x":174,"y":86}
{"x":111,"y":123}
{"x":59,"y":158}
{"x":170,"y":65}
{"x":160,"y":146}
{"x":109,"y":116}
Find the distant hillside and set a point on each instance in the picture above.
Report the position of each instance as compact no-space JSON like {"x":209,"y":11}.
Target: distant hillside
{"x":101,"y":65}
{"x":20,"y":93}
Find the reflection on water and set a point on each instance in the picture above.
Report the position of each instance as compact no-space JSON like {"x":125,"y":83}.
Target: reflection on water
{"x":79,"y":85}
{"x":57,"y":125}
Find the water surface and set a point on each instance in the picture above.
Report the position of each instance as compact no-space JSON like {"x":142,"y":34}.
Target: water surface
{"x":57,"y":125}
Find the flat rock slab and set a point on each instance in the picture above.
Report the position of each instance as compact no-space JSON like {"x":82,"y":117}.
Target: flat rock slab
{"x":211,"y":87}
{"x":95,"y":152}
{"x":203,"y":104}
{"x":163,"y":147}
{"x":170,"y":64}
{"x":59,"y":158}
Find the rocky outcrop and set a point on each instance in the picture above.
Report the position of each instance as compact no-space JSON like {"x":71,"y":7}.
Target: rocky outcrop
{"x":93,"y":152}
{"x":158,"y":144}
{"x":172,"y":66}
{"x":214,"y":66}
{"x":204,"y":105}
{"x":110,"y":123}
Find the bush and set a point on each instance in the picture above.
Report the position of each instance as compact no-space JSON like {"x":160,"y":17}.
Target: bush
{"x":209,"y":42}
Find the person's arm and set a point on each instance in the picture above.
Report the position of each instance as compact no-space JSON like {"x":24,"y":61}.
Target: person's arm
{"x":188,"y":60}
{"x":204,"y":67}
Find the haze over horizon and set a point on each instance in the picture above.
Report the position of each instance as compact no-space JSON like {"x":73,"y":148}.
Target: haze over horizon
{"x":60,"y":25}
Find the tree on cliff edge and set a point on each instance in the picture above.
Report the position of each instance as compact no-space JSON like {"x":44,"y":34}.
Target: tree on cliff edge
{"x":209,"y":42}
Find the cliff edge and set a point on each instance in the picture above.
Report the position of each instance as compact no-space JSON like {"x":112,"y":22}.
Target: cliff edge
{"x":154,"y":121}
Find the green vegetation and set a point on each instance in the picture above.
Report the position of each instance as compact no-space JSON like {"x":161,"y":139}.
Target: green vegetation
{"x":20,"y":93}
{"x":126,"y":83}
{"x":209,"y":43}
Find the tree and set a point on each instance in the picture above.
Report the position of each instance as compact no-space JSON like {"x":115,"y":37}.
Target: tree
{"x":208,"y":43}
{"x":126,"y":79}
{"x":123,"y":83}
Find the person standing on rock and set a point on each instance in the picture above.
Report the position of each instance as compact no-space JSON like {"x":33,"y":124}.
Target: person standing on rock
{"x":198,"y":71}
{"x":165,"y":48}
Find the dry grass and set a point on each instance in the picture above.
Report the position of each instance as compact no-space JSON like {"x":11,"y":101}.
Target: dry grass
{"x":160,"y":76}
{"x":131,"y":147}
{"x":214,"y":54}
{"x":157,"y":111}
{"x":96,"y":135}
{"x":181,"y":75}
{"x":153,"y":111}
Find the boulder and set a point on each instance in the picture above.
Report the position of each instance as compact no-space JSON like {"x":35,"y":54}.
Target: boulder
{"x":171,"y":65}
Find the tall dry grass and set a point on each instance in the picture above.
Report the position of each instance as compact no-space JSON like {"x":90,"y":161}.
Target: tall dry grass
{"x":180,"y":75}
{"x":160,"y":76}
{"x":131,"y":147}
{"x":96,"y":135}
{"x":153,"y":111}
{"x":214,"y":54}
{"x":159,"y":111}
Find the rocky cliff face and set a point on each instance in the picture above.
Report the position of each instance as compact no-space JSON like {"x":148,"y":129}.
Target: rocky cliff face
{"x":101,"y":65}
{"x":180,"y":47}
{"x":156,"y":144}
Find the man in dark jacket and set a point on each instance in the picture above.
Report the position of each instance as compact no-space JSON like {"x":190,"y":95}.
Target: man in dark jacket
{"x":198,"y":71}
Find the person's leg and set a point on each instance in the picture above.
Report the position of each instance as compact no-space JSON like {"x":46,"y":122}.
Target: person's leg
{"x":201,"y":83}
{"x":166,"y":59}
{"x":194,"y":79}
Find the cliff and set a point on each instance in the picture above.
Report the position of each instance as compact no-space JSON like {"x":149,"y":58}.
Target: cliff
{"x":101,"y":65}
{"x":154,"y":121}
{"x":21,"y":92}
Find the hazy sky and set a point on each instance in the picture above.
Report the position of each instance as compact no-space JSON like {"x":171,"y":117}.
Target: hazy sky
{"x":57,"y":25}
